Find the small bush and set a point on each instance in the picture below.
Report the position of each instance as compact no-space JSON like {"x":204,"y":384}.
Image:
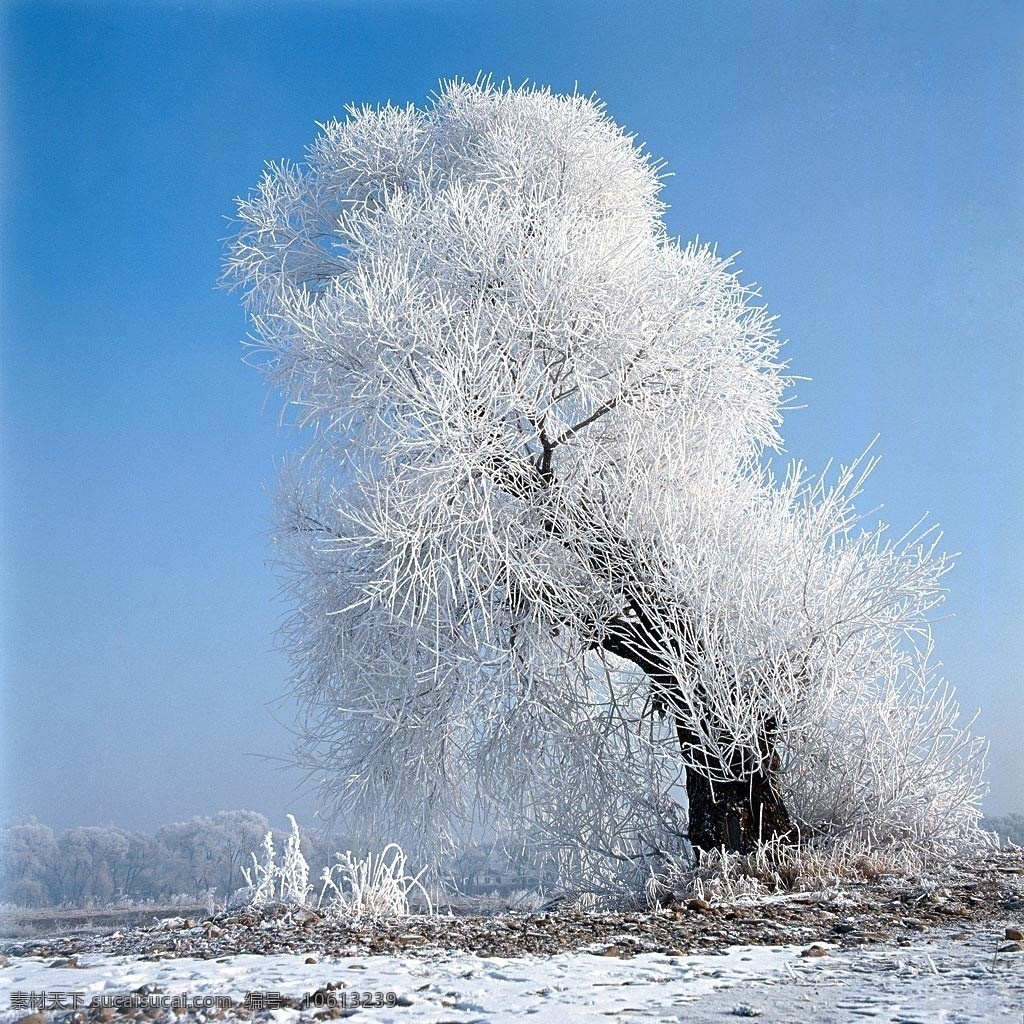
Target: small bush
{"x":373,"y":887}
{"x":287,"y":882}
{"x":377,"y":886}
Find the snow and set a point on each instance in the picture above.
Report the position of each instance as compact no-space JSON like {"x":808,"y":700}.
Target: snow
{"x":941,"y":980}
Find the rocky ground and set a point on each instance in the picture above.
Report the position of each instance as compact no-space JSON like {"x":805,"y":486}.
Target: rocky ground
{"x":983,"y":898}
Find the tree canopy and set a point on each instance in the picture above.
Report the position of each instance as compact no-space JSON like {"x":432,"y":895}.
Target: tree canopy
{"x":541,"y":580}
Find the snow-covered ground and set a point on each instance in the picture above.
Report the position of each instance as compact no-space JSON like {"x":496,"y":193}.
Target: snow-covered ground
{"x":937,"y":980}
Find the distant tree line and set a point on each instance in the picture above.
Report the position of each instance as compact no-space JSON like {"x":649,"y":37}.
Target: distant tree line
{"x":1009,"y":827}
{"x":103,"y":863}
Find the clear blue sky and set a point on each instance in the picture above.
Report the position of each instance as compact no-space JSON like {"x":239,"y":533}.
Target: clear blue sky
{"x":865,"y":157}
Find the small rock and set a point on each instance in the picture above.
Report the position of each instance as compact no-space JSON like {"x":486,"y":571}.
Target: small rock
{"x":697,"y":904}
{"x":306,"y":917}
{"x":1012,"y":947}
{"x":71,"y":961}
{"x":611,"y":951}
{"x":1015,"y":934}
{"x":815,"y":949}
{"x":4,"y":962}
{"x":310,"y":959}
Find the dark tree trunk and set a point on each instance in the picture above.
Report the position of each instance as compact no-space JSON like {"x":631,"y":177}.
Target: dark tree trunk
{"x":737,"y":815}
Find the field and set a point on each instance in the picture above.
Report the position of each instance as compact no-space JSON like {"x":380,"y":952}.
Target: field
{"x":898,"y":949}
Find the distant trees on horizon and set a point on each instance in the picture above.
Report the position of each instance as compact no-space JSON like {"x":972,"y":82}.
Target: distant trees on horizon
{"x":1009,"y":827}
{"x":97,"y":864}
{"x":103,"y":863}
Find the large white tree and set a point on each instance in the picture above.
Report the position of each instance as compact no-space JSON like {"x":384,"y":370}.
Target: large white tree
{"x":541,"y":580}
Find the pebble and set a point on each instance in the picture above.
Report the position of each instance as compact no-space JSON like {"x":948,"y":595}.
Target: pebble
{"x":815,"y":950}
{"x":1015,"y":934}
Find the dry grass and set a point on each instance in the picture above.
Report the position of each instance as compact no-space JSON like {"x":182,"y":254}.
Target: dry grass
{"x":776,"y":868}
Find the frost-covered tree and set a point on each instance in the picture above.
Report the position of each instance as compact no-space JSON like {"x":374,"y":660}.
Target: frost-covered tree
{"x":540,"y":577}
{"x":208,"y":853}
{"x":1009,"y":828}
{"x":28,"y":852}
{"x":87,"y":855}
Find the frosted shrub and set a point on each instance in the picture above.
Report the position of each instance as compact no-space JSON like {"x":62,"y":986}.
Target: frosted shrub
{"x":284,"y":882}
{"x":376,"y":886}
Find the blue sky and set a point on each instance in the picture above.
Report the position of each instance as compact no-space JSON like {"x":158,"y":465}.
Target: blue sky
{"x":865,"y":159}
